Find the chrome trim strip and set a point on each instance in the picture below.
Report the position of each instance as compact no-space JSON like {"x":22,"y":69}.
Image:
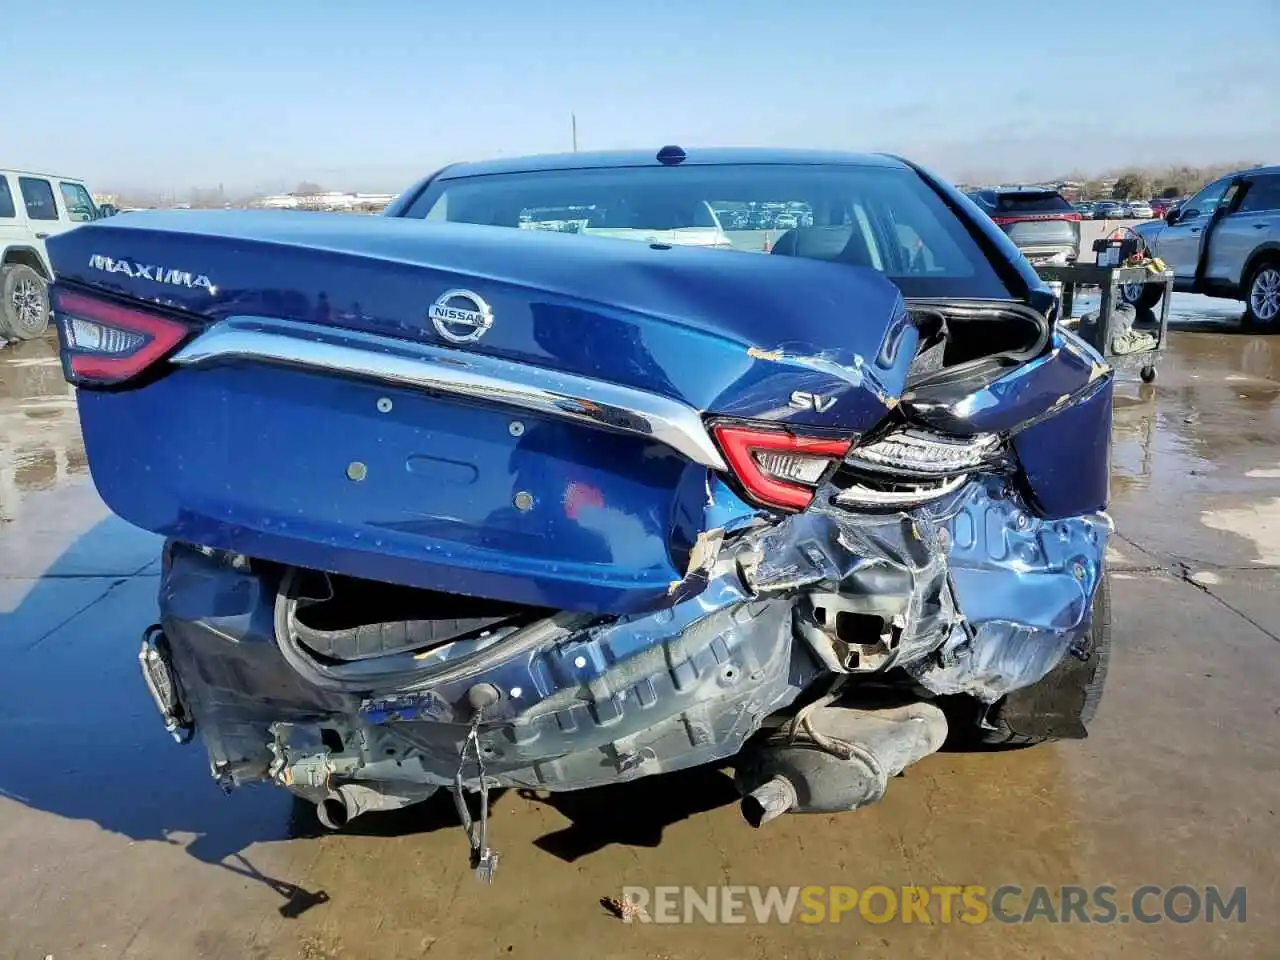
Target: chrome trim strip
{"x":455,"y":373}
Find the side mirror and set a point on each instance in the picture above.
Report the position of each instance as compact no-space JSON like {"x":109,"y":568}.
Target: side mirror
{"x":107,"y":210}
{"x":1171,"y":216}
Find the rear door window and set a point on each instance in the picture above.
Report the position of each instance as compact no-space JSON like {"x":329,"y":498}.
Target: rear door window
{"x":7,"y":209}
{"x":1263,"y":195}
{"x":37,"y":194}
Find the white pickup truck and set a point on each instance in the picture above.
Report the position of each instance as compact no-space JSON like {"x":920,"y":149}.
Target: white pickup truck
{"x":34,"y":206}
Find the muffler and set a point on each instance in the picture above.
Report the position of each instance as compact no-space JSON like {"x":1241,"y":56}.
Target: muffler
{"x":342,"y":805}
{"x":831,"y":758}
{"x":163,"y":684}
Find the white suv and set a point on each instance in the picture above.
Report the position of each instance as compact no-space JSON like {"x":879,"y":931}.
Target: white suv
{"x":34,"y":206}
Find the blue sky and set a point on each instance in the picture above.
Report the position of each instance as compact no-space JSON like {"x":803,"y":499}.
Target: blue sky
{"x":265,"y":93}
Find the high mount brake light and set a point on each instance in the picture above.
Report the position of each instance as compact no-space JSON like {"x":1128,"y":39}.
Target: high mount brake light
{"x":104,"y":343}
{"x":778,"y":469}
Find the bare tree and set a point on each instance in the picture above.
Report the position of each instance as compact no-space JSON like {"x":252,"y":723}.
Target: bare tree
{"x":1131,"y":185}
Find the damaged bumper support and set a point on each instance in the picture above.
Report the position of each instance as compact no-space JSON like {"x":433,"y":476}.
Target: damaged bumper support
{"x":970,"y":593}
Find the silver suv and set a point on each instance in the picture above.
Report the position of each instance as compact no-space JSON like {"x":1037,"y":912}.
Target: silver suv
{"x":1224,"y":242}
{"x":1039,"y":222}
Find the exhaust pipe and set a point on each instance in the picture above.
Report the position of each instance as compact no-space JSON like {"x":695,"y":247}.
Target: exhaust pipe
{"x":339,"y":807}
{"x":838,"y":759}
{"x":771,"y":799}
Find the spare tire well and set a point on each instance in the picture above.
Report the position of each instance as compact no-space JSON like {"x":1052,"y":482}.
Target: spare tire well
{"x":343,"y":618}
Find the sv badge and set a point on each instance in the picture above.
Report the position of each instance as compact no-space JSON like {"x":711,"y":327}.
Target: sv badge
{"x":803,"y":400}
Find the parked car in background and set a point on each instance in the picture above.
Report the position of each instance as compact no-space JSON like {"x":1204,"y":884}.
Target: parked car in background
{"x":1223,"y":242}
{"x":1162,"y":205}
{"x":668,"y":222}
{"x":553,"y":511}
{"x":1107,"y":210}
{"x":1084,"y":208}
{"x":34,"y":207}
{"x":1140,"y":210}
{"x":1040,"y":222}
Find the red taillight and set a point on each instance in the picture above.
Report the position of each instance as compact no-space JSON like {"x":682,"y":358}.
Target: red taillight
{"x":1030,"y":217}
{"x":778,"y":469}
{"x":104,"y":343}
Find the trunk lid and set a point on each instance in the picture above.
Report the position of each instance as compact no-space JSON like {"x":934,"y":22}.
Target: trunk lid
{"x":511,"y":414}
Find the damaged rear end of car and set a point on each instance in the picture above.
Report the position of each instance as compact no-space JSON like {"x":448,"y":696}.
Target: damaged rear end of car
{"x":468,"y":505}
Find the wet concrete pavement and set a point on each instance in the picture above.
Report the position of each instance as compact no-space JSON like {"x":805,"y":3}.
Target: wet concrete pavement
{"x":116,"y":844}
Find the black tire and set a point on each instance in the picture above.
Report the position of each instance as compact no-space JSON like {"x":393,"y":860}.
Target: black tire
{"x":24,"y":302}
{"x":1269,"y":268}
{"x":1148,"y":295}
{"x":1019,"y":720}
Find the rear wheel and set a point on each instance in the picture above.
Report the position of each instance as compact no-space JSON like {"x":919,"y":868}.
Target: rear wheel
{"x":24,"y":309}
{"x":1262,"y":297}
{"x":1144,"y":296}
{"x":1062,"y":703}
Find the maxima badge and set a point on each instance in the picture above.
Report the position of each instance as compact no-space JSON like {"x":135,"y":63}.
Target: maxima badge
{"x":461,"y":316}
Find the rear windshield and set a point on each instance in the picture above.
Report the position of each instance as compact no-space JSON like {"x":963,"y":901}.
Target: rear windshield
{"x":883,"y":218}
{"x":1042,"y":202}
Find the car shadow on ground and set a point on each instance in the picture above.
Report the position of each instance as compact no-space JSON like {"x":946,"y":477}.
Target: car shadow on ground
{"x":83,"y":741}
{"x":633,"y":814}
{"x":79,"y":735}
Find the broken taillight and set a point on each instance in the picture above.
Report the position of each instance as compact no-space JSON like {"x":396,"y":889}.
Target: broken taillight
{"x":778,"y":469}
{"x":104,"y":343}
{"x":909,"y":467}
{"x":917,"y":453}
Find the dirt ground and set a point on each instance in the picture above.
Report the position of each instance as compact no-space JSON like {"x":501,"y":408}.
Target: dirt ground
{"x":115,"y":843}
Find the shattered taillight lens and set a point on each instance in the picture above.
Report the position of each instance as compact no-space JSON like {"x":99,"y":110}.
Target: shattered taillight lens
{"x":105,"y":343}
{"x":911,"y":467}
{"x":923,"y":454}
{"x":776,"y":468}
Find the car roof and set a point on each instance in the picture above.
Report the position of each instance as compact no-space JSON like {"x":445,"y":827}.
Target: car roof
{"x":1269,"y":170}
{"x":1255,"y":171}
{"x":694,"y":156}
{"x":45,"y":176}
{"x":1009,"y":191}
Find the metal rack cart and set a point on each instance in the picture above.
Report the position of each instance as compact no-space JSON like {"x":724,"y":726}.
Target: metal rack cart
{"x":1109,"y":280}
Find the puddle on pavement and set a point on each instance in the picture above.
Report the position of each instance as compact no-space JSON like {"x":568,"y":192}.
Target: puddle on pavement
{"x":1257,"y":522}
{"x":40,"y":443}
{"x":1209,"y":422}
